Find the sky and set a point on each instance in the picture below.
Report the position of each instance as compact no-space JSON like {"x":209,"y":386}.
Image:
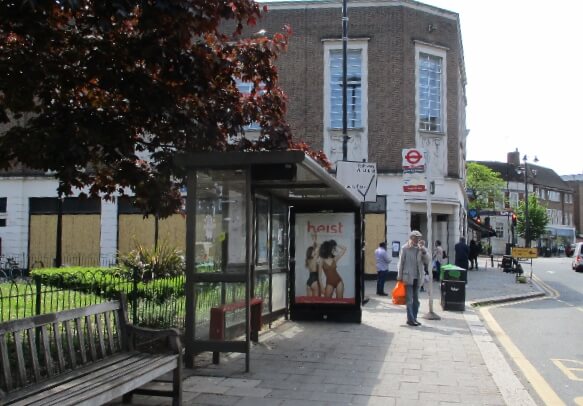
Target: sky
{"x":524,"y":79}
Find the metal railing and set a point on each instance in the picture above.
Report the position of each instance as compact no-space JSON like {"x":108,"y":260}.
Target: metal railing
{"x":154,"y":302}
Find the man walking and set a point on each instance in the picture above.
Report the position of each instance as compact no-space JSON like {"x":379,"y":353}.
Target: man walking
{"x":410,"y":271}
{"x":382,"y":261}
{"x":462,"y":253}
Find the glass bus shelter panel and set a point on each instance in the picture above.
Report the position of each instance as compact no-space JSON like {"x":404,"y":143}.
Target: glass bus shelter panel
{"x":220,"y":221}
{"x":279,"y":283}
{"x":279,"y":240}
{"x":220,"y":311}
{"x":262,"y":289}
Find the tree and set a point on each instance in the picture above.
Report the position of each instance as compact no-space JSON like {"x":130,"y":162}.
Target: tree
{"x":105,"y":93}
{"x":483,"y":185}
{"x":537,"y":219}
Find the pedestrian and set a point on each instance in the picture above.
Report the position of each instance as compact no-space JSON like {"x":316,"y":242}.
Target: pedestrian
{"x":382,"y":261}
{"x":426,"y":260}
{"x":410,"y":271}
{"x":462,"y":253}
{"x":438,"y":259}
{"x":473,"y":257}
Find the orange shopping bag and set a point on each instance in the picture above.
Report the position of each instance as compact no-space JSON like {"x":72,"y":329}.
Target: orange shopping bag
{"x":399,"y":294}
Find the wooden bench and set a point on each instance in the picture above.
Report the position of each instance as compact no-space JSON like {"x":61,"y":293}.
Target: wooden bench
{"x":217,"y":322}
{"x":85,"y":356}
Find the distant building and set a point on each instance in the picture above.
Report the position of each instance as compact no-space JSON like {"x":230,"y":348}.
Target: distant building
{"x":552,"y":192}
{"x":576,"y":183}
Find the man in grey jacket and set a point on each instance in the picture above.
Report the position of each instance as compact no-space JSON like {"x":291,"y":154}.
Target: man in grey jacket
{"x":410,"y":272}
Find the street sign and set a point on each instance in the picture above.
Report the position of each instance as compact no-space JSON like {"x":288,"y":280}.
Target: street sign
{"x":473,"y":213}
{"x":414,"y":178}
{"x":360,"y":178}
{"x":519,"y":252}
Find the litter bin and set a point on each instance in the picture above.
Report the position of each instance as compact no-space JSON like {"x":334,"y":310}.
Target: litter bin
{"x":453,"y":295}
{"x":453,"y":273}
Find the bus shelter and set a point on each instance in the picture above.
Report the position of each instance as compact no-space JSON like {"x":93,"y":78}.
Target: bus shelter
{"x":252,"y":221}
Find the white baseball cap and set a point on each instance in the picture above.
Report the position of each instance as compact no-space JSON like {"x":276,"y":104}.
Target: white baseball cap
{"x":415,"y":233}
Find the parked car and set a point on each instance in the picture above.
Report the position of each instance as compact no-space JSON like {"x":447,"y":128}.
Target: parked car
{"x":577,"y":263}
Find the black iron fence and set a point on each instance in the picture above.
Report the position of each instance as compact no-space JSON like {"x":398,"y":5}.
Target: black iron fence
{"x":24,"y":263}
{"x":152,"y":302}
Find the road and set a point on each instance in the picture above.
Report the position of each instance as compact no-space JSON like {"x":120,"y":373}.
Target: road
{"x":544,"y":337}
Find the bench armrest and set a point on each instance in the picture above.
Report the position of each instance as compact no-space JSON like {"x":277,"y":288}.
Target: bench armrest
{"x":150,"y":336}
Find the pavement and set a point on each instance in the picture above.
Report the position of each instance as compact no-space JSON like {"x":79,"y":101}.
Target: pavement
{"x":382,"y":361}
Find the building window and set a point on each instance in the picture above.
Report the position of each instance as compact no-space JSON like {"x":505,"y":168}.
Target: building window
{"x":2,"y":212}
{"x":430,"y":92}
{"x":353,"y":84}
{"x":499,"y":230}
{"x":554,"y":196}
{"x":245,"y":88}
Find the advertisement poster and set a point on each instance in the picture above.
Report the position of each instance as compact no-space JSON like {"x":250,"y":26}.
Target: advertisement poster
{"x":325,"y":258}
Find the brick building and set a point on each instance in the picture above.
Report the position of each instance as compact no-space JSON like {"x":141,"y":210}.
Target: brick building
{"x":406,"y":89}
{"x":553,"y":193}
{"x":576,"y":183}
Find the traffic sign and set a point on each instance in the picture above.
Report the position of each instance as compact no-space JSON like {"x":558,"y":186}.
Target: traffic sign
{"x":360,"y":178}
{"x":520,"y":252}
{"x":414,"y":179}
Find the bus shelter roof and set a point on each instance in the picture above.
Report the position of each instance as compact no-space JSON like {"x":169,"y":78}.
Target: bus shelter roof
{"x":291,"y":176}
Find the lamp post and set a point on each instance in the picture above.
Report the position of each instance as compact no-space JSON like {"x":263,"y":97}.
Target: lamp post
{"x":344,"y":80}
{"x":526,"y":219}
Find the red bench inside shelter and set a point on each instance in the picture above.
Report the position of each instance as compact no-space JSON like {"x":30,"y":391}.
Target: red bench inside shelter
{"x":217,"y":322}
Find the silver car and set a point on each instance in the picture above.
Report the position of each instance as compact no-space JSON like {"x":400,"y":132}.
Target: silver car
{"x":577,"y":263}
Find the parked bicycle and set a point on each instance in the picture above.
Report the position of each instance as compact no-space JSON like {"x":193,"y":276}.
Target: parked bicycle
{"x":10,"y":268}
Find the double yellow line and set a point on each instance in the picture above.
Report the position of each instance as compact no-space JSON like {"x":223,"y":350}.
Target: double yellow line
{"x":538,"y":383}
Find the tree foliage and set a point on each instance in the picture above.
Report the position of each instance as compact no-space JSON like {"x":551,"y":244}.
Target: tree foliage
{"x":537,"y":218}
{"x":104,"y":93}
{"x":484,"y":185}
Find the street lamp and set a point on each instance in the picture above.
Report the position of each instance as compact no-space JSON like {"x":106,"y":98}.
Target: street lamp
{"x":344,"y":80}
{"x":526,"y":219}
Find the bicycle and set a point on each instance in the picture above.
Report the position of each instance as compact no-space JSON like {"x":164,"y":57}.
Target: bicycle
{"x":10,"y":267}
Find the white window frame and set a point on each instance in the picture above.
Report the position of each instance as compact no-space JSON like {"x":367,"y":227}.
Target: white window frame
{"x":245,"y":88}
{"x":499,"y":228}
{"x":335,"y":45}
{"x":439,"y":52}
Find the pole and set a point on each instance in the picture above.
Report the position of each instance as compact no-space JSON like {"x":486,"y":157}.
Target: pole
{"x":429,"y":244}
{"x":344,"y":80}
{"x":526,"y":220}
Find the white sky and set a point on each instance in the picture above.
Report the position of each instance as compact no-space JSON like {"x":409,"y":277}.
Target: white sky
{"x":525,"y":87}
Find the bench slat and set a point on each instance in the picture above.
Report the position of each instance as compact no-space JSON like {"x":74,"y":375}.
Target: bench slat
{"x":33,"y":354}
{"x":70,"y":344}
{"x":109,"y":332}
{"x":36,"y":321}
{"x":47,"y":350}
{"x":20,"y":357}
{"x":33,"y":393}
{"x":91,"y":338}
{"x":87,"y":381}
{"x":5,"y":364}
{"x":59,"y":345}
{"x":100,"y":335}
{"x":81,"y":338}
{"x":140,"y":372}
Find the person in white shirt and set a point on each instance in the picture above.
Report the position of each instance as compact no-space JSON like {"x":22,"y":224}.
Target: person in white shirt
{"x":382,"y":261}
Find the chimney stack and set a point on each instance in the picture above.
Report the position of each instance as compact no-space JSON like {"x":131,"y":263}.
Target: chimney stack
{"x":513,"y":158}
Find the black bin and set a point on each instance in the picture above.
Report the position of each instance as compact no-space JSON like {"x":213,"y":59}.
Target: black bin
{"x":453,"y":295}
